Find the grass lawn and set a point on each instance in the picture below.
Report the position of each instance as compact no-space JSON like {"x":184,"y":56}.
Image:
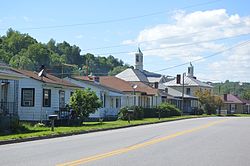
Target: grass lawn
{"x":239,"y":115}
{"x":29,"y":131}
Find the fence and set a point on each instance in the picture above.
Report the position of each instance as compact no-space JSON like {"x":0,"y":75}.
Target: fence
{"x":8,"y":109}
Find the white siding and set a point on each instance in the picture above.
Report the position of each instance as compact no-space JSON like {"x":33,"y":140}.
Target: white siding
{"x":38,"y":112}
{"x":104,"y":111}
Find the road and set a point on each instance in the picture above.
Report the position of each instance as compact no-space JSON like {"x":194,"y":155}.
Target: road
{"x":192,"y":142}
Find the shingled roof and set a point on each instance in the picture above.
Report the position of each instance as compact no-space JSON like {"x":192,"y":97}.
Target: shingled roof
{"x":90,"y":81}
{"x":48,"y":78}
{"x":126,"y":86}
{"x":188,"y":81}
{"x":230,"y":98}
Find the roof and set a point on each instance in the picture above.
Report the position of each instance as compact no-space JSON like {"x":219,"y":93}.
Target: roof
{"x":132,"y":75}
{"x":232,"y":99}
{"x":188,"y":81}
{"x":178,"y":94}
{"x":142,"y":87}
{"x":89,"y":81}
{"x":154,"y":79}
{"x":138,"y":75}
{"x":126,"y":86}
{"x":245,"y":101}
{"x":10,"y":75}
{"x":48,"y":78}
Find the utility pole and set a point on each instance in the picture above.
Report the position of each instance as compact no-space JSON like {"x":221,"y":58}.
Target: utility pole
{"x":183,"y":75}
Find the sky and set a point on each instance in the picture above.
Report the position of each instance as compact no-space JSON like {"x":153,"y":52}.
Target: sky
{"x":214,"y":35}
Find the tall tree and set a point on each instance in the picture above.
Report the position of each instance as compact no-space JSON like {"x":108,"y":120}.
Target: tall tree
{"x":209,"y":101}
{"x":14,"y":41}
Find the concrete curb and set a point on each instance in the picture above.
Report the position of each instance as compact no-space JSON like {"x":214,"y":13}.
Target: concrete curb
{"x":83,"y":132}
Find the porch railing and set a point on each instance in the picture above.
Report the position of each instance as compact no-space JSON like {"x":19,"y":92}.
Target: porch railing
{"x":8,"y":109}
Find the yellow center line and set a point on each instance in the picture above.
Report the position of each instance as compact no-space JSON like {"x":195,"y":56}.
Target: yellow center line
{"x":137,"y":146}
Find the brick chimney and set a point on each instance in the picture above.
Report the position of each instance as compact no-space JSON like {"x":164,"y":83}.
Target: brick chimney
{"x":178,"y":79}
{"x":156,"y":85}
{"x":225,"y":97}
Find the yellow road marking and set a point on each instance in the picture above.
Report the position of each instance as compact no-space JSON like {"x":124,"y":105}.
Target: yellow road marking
{"x":137,"y":146}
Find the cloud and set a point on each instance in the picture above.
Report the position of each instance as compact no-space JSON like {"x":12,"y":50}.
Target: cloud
{"x":234,"y":67}
{"x":195,"y":27}
{"x":26,"y":19}
{"x":79,"y":36}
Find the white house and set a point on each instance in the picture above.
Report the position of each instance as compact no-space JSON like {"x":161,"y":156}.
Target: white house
{"x":110,"y":97}
{"x":41,"y":94}
{"x":138,"y":75}
{"x":135,"y":93}
{"x":8,"y":91}
{"x":187,"y":85}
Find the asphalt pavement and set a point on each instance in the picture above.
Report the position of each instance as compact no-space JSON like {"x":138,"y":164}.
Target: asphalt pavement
{"x":215,"y":141}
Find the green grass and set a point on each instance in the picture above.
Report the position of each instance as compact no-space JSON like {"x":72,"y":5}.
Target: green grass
{"x":239,"y":115}
{"x":28,"y":130}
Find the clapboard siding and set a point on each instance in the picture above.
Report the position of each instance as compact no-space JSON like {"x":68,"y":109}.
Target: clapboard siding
{"x":104,"y":111}
{"x":38,"y":112}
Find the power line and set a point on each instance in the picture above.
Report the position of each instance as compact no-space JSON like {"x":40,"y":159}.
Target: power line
{"x":209,"y":56}
{"x":174,"y":46}
{"x":146,"y":41}
{"x":186,"y":63}
{"x":113,"y":20}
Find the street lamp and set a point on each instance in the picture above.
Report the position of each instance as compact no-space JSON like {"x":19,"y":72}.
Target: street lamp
{"x":183,"y":75}
{"x":131,"y":111}
{"x":134,"y":87}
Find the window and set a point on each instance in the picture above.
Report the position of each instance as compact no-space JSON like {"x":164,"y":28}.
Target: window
{"x":139,"y":100}
{"x":137,"y":58}
{"x":103,"y":99}
{"x":28,"y":97}
{"x":112,"y":103}
{"x":46,"y":97}
{"x":61,"y":99}
{"x":188,"y":91}
{"x":117,"y":102}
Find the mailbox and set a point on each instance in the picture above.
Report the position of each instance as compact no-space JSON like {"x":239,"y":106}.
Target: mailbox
{"x":130,"y":111}
{"x":52,"y":118}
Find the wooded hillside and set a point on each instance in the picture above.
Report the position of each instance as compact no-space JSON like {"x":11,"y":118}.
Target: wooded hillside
{"x":238,"y":88}
{"x":22,"y":51}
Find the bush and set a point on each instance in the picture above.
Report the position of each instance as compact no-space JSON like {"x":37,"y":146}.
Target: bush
{"x":137,"y":114}
{"x":168,"y":110}
{"x":150,"y":112}
{"x":199,"y":111}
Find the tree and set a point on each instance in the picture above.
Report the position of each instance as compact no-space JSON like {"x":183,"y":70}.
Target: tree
{"x":71,"y":53}
{"x":246,"y":94}
{"x":14,"y":41}
{"x":117,"y":70}
{"x":5,"y":56}
{"x":39,"y":54}
{"x":22,"y":62}
{"x":209,"y":101}
{"x":84,"y":102}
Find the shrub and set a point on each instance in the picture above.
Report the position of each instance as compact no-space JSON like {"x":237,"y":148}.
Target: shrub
{"x":84,"y":102}
{"x":123,"y":113}
{"x":136,"y":115}
{"x":150,"y":112}
{"x":168,"y":110}
{"x":199,"y":111}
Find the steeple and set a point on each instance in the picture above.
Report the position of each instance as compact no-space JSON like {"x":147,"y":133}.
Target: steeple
{"x":191,"y":70}
{"x":139,"y":60}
